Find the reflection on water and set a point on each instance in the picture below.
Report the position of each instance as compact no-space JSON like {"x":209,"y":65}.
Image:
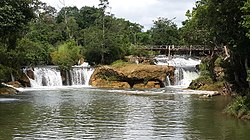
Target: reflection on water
{"x":103,"y":114}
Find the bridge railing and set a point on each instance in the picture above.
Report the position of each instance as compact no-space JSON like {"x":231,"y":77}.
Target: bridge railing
{"x":181,"y":47}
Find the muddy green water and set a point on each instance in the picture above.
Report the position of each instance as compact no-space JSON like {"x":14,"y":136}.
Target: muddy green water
{"x":86,"y":113}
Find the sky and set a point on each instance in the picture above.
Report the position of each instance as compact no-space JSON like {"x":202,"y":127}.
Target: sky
{"x":143,"y":12}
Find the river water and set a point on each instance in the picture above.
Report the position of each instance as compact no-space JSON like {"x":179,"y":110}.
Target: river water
{"x":89,"y":113}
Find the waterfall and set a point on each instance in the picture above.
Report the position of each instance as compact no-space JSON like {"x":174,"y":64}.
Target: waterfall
{"x":47,"y":76}
{"x":185,"y":68}
{"x":185,"y":75}
{"x":167,"y":83}
{"x":80,"y":75}
{"x":51,"y":76}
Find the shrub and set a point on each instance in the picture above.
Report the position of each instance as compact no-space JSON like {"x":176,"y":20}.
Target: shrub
{"x":218,"y":62}
{"x":239,"y":107}
{"x":119,"y":63}
{"x":66,"y":55}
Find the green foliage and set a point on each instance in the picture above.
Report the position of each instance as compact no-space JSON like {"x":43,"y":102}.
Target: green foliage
{"x":143,"y":38}
{"x":88,"y":16}
{"x":239,"y":107}
{"x":67,"y":12}
{"x":219,"y":62}
{"x":207,"y":79}
{"x":119,"y":63}
{"x":138,"y":50}
{"x":246,"y":10}
{"x":205,"y":67}
{"x":108,"y":43}
{"x":14,"y":16}
{"x":248,"y":75}
{"x":32,"y":53}
{"x":66,"y":55}
{"x":5,"y":73}
{"x":164,"y":32}
{"x":45,"y":32}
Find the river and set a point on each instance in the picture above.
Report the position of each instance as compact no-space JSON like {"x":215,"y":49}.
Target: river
{"x":89,"y":113}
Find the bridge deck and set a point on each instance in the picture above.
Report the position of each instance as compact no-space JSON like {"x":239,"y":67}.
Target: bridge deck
{"x":172,"y":49}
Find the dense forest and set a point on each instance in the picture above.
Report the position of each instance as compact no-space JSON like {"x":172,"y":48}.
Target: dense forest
{"x":33,"y":33}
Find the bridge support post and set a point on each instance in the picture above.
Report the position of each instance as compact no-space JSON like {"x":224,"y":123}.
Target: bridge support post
{"x":190,"y":50}
{"x":169,"y":50}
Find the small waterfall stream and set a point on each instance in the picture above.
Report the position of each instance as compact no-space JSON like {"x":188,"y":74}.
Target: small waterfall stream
{"x":80,"y":75}
{"x":50,"y":76}
{"x":46,"y":76}
{"x":185,"y":68}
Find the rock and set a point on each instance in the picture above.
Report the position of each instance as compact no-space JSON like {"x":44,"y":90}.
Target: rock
{"x":15,"y":84}
{"x":30,"y":73}
{"x":81,"y":61}
{"x":139,"y":60}
{"x":196,"y":84}
{"x":219,"y":73}
{"x":24,"y":80}
{"x":131,"y":76}
{"x":210,"y":95}
{"x":150,"y":84}
{"x":7,"y":90}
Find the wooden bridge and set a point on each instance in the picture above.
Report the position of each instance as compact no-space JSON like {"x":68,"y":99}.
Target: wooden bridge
{"x":196,"y":50}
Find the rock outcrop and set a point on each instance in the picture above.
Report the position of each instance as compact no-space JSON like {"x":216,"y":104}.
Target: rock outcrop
{"x":24,"y":80}
{"x":131,"y":76}
{"x":9,"y":89}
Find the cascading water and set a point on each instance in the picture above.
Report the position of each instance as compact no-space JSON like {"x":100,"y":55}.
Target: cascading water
{"x":80,"y":75}
{"x":185,"y":68}
{"x":51,"y":76}
{"x":46,"y":76}
{"x":185,"y":75}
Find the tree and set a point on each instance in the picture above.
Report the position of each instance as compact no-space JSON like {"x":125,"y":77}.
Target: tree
{"x":14,"y":17}
{"x":67,"y":17}
{"x":193,"y":31}
{"x":67,"y":12}
{"x":66,"y":55}
{"x":87,"y":16}
{"x":246,"y":16}
{"x":164,"y":32}
{"x":221,"y":23}
{"x":30,"y":53}
{"x":103,"y":5}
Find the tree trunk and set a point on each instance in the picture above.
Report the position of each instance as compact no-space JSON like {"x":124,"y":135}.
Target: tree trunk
{"x":169,"y":50}
{"x":246,"y":67}
{"x":226,"y":52}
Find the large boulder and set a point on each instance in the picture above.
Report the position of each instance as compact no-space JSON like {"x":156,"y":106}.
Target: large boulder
{"x":131,"y":76}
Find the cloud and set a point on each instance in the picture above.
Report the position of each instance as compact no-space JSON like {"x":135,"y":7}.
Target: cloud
{"x":139,"y":11}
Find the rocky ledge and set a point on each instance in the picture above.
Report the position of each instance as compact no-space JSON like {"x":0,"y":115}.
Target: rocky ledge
{"x":9,"y":88}
{"x":131,"y":76}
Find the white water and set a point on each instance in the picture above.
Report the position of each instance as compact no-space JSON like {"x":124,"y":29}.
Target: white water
{"x":46,"y":76}
{"x":177,"y":61}
{"x":81,"y":75}
{"x":184,"y":77}
{"x":185,"y":68}
{"x":50,"y":76}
